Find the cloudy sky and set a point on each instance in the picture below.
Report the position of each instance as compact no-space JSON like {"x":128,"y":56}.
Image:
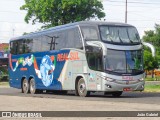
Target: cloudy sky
{"x":141,"y":13}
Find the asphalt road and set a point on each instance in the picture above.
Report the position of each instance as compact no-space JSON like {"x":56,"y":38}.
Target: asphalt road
{"x":127,"y":97}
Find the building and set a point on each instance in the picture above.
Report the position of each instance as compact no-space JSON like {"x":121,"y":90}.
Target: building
{"x":4,"y":54}
{"x":3,"y":50}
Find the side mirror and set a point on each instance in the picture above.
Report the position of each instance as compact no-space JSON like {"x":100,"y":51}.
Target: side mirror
{"x":151,"y":47}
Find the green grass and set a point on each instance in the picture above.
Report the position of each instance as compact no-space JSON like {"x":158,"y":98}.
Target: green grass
{"x":149,"y":78}
{"x":152,"y":88}
{"x":4,"y":84}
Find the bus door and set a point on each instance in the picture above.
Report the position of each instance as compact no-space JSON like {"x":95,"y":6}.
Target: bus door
{"x":95,"y":65}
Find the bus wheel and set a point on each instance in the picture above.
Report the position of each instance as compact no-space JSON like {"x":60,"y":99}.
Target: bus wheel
{"x":117,"y":94}
{"x":25,"y":86}
{"x":81,"y":88}
{"x":32,"y":86}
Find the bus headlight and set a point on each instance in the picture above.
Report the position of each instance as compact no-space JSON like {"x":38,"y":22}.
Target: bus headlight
{"x":109,"y":79}
{"x":142,"y":79}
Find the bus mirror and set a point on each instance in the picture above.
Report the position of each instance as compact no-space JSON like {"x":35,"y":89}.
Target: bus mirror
{"x":88,"y":48}
{"x":93,"y":49}
{"x":151,"y":47}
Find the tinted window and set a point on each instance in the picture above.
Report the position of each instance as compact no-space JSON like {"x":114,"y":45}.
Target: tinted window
{"x":74,"y":39}
{"x":78,"y":40}
{"x":28,"y":45}
{"x":94,"y":58}
{"x":36,"y":44}
{"x":46,"y":42}
{"x":90,"y":33}
{"x":13,"y":47}
{"x":119,"y":34}
{"x":51,"y":41}
{"x":124,"y":61}
{"x":21,"y":46}
{"x":59,"y":40}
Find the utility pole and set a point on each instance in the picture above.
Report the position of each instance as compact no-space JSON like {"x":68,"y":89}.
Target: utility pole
{"x":13,"y":32}
{"x":126,"y":13}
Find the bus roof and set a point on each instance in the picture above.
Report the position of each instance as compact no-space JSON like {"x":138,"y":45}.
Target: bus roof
{"x":70,"y":25}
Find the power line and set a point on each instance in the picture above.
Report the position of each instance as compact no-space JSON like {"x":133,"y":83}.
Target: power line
{"x":133,"y":6}
{"x":144,"y":20}
{"x":11,"y":22}
{"x":11,"y":31}
{"x":11,"y":0}
{"x":155,"y":3}
{"x":12,"y":12}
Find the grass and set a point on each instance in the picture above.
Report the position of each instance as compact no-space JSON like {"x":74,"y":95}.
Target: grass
{"x":149,"y":78}
{"x":152,"y":88}
{"x":4,"y":84}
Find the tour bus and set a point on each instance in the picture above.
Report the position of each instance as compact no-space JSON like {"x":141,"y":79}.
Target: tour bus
{"x":85,"y":57}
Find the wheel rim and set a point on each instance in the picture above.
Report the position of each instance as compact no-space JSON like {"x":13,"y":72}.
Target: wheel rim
{"x":82,"y":88}
{"x":25,"y":86}
{"x":32,"y":86}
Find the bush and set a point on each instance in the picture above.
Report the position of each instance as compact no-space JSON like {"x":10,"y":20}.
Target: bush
{"x":4,"y":78}
{"x":3,"y":74}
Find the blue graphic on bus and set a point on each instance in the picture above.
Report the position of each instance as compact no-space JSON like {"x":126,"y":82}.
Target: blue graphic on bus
{"x":46,"y":70}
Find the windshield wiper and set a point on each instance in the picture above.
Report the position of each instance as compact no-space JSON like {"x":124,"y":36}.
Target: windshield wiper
{"x":129,"y":37}
{"x":109,"y":37}
{"x":120,"y":37}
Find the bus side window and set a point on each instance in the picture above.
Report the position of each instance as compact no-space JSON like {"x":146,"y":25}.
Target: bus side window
{"x":49,"y":41}
{"x":73,"y":39}
{"x":36,"y":44}
{"x":77,"y":39}
{"x":28,"y":45}
{"x":94,"y":58}
{"x":70,"y":39}
{"x":46,"y":42}
{"x":60,"y":41}
{"x":21,"y":47}
{"x":13,"y":47}
{"x":92,"y":61}
{"x":90,"y":33}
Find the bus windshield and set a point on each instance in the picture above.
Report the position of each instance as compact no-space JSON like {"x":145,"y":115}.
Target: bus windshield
{"x":124,"y":62}
{"x":120,"y":34}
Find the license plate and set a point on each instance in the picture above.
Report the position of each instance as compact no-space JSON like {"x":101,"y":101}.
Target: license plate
{"x":127,"y":89}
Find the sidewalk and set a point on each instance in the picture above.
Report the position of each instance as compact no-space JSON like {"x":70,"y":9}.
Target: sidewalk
{"x":4,"y":85}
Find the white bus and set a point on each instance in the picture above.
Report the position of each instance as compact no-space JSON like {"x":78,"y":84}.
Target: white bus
{"x":84,"y":56}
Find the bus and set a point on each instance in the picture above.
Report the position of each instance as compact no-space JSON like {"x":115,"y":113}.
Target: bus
{"x":85,"y":57}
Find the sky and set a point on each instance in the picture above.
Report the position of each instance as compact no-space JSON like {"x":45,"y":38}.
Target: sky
{"x":143,"y":14}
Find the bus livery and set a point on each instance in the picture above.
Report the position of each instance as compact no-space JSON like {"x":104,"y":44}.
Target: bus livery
{"x":84,"y":56}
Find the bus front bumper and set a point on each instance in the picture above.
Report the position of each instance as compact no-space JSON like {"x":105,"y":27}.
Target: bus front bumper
{"x":114,"y":86}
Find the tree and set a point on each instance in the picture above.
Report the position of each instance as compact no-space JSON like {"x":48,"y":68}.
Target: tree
{"x":153,"y":37}
{"x":58,"y":12}
{"x":150,"y":62}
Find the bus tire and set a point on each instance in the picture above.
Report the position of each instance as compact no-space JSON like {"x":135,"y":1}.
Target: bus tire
{"x":32,"y":86}
{"x":117,"y":94}
{"x":81,"y":88}
{"x":25,"y":86}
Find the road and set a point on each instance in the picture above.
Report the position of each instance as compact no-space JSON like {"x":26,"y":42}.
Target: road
{"x":127,"y":97}
{"x":13,"y":100}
